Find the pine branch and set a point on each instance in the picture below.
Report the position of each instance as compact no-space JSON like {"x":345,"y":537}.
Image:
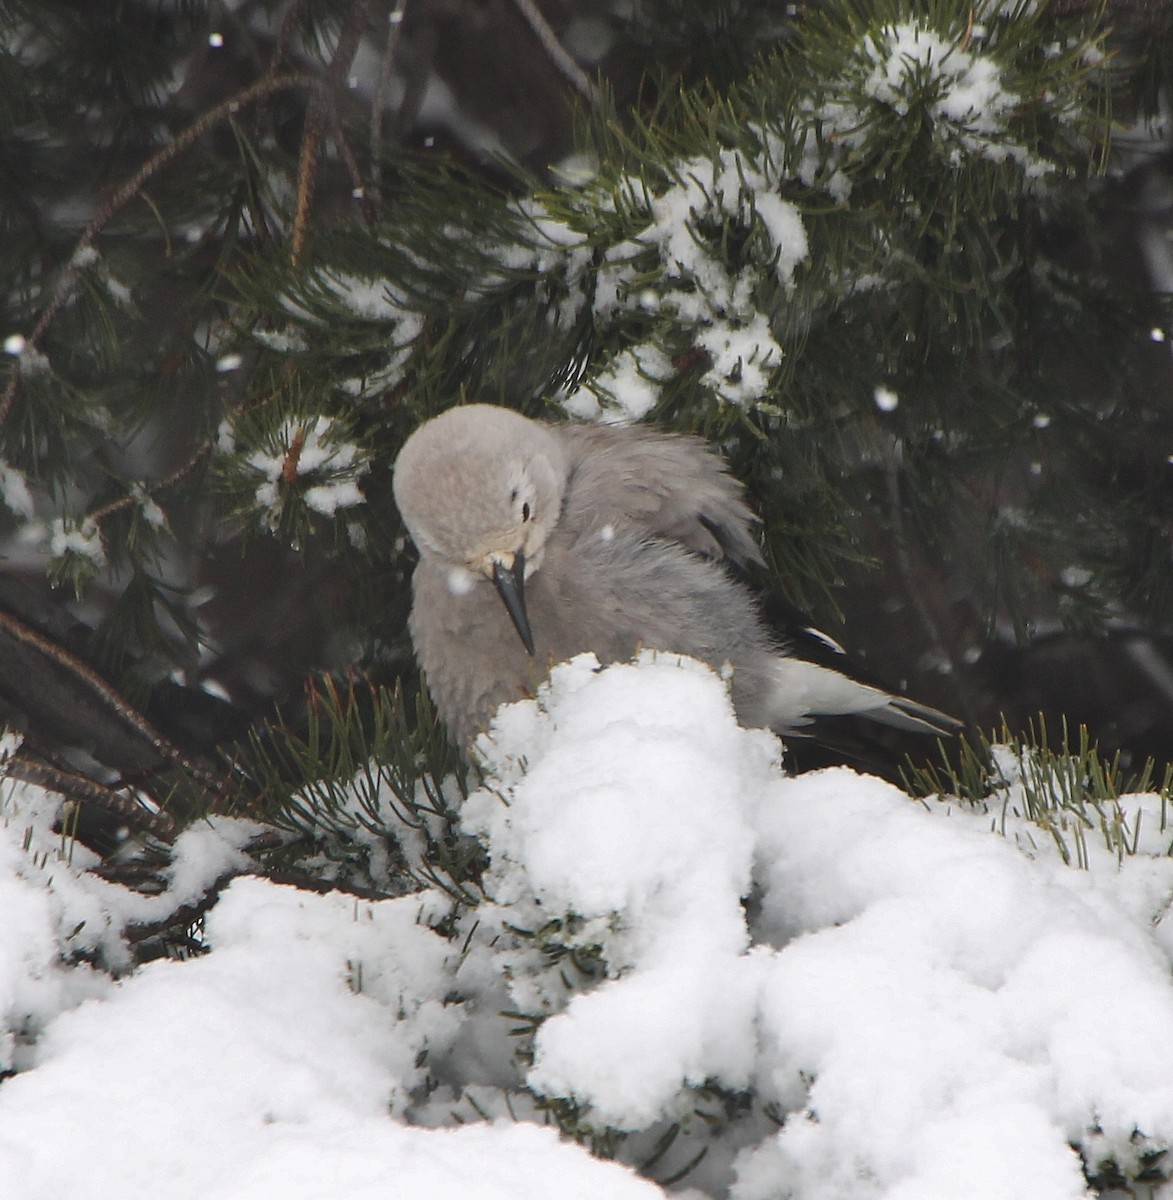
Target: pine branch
{"x":180,"y":475}
{"x":360,"y":763}
{"x":91,"y":686}
{"x":81,"y":790}
{"x":1068,"y":789}
{"x":322,"y":107}
{"x":66,"y":283}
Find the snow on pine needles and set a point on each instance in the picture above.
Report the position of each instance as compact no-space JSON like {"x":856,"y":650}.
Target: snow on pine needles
{"x":833,"y":989}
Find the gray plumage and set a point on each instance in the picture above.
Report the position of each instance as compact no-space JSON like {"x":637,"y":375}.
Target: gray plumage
{"x":598,"y":538}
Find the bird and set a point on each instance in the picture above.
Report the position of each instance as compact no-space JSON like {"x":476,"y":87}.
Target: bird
{"x":540,"y":541}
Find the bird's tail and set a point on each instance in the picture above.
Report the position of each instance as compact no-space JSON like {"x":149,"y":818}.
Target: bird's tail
{"x":803,"y":692}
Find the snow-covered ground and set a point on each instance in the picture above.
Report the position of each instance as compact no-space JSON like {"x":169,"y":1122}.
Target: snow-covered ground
{"x":863,"y":995}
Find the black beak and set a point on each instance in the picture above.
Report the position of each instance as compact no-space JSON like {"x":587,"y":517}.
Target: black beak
{"x":510,"y":584}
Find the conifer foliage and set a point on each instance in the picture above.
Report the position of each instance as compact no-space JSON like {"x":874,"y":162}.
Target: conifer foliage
{"x":896,"y":258}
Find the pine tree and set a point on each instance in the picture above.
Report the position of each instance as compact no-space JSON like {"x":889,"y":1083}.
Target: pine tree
{"x":885,"y":254}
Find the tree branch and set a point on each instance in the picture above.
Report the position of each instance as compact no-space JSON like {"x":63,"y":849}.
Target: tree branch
{"x":83,"y":790}
{"x":109,"y":699}
{"x":128,"y":191}
{"x":315,"y":123}
{"x":556,"y":52}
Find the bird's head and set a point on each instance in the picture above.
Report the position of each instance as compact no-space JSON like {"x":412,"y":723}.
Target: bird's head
{"x":480,"y":489}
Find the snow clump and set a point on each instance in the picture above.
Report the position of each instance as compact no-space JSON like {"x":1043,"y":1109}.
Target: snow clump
{"x":315,"y":450}
{"x":930,"y":1008}
{"x":831,"y":989}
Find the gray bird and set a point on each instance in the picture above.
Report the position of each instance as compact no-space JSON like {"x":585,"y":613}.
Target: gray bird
{"x":538,"y":542}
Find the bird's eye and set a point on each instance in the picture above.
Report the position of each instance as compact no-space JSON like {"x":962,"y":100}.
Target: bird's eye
{"x":525,"y":511}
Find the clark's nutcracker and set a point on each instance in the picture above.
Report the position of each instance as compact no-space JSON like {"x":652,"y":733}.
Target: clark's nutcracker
{"x":538,"y":542}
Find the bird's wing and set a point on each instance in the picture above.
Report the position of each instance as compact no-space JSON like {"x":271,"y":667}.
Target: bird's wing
{"x":671,"y":485}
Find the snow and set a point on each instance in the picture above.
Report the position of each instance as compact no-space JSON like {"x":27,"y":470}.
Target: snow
{"x":885,"y":399}
{"x":32,"y":361}
{"x":149,"y":508}
{"x":675,"y":1007}
{"x":14,"y":492}
{"x":664,"y":260}
{"x":546,"y":250}
{"x":84,"y":540}
{"x":371,"y":299}
{"x":939,"y":984}
{"x":314,"y":448}
{"x":84,"y":256}
{"x":696,"y":258}
{"x":259,"y":1071}
{"x":718,"y":307}
{"x":918,"y":999}
{"x":289,"y":340}
{"x":960,"y":85}
{"x":327,"y":499}
{"x":626,"y":389}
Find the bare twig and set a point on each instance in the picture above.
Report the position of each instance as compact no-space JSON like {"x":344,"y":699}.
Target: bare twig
{"x":357,"y":187}
{"x":284,"y":36}
{"x":307,"y":176}
{"x":183,"y":916}
{"x":315,"y":123}
{"x":121,"y":804}
{"x":382,"y":83}
{"x":91,"y":682}
{"x":188,"y":914}
{"x":323,"y":887}
{"x":556,"y":52}
{"x":176,"y":477}
{"x":967,"y":36}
